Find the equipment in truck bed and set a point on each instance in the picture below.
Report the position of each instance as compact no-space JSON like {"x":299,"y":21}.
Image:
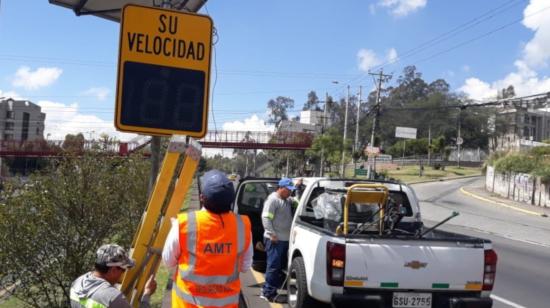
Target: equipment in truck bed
{"x":364,"y":195}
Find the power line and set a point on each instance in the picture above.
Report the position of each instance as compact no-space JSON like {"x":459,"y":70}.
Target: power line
{"x":444,"y":36}
{"x":483,"y":35}
{"x":251,"y":73}
{"x":453,"y":32}
{"x":529,"y":99}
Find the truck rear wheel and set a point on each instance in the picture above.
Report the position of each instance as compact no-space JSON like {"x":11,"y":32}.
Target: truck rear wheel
{"x":297,"y":286}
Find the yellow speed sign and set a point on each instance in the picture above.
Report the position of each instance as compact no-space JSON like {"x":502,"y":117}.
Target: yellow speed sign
{"x":163,"y":72}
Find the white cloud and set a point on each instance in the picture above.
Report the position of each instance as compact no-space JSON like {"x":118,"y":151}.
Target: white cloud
{"x":525,"y":79}
{"x":392,"y":55}
{"x":535,"y":17}
{"x":100,"y":93}
{"x":477,"y":89}
{"x":32,"y":80}
{"x":400,"y":8}
{"x":466,"y":68}
{"x":10,"y":94}
{"x":368,"y":59}
{"x":64,"y":119}
{"x":253,"y":124}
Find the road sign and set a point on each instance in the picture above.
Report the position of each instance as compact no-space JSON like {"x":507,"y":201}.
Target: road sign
{"x":163,"y":72}
{"x":361,"y":172}
{"x":372,"y":150}
{"x":405,"y":132}
{"x":459,"y":140}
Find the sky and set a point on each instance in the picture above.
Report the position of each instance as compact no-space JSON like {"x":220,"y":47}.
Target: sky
{"x":67,"y":64}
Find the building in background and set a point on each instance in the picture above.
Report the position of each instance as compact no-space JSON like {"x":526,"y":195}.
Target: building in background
{"x":311,"y":121}
{"x":518,"y":128}
{"x":21,"y":120}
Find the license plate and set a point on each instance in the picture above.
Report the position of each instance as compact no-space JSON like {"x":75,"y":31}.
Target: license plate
{"x":410,"y":300}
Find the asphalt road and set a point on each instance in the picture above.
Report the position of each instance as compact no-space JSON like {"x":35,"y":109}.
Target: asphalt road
{"x":521,"y":240}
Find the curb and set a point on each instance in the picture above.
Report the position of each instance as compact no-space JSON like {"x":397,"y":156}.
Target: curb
{"x":499,"y":203}
{"x":445,"y":179}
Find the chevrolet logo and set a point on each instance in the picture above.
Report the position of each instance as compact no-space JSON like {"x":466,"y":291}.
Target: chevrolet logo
{"x":415,"y":264}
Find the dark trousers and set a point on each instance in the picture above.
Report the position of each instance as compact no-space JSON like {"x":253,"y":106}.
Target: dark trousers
{"x":277,"y":259}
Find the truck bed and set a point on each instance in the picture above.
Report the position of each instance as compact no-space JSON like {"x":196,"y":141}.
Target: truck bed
{"x":329,"y":228}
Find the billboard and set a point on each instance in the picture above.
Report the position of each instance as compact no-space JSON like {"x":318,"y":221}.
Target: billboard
{"x":405,"y":132}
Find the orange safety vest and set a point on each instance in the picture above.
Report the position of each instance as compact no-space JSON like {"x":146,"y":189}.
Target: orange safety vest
{"x":210,"y":258}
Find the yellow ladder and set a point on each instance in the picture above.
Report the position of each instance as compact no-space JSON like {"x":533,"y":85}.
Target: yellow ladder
{"x":164,"y":203}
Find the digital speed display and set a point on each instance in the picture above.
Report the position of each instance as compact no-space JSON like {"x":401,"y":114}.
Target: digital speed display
{"x":162,"y":97}
{"x":163,"y":72}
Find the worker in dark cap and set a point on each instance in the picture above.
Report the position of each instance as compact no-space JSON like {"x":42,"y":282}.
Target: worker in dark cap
{"x":210,"y":247}
{"x":97,"y":288}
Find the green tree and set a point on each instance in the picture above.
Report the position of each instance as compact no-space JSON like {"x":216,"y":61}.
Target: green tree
{"x":475,"y":128}
{"x":413,"y":147}
{"x":51,"y":226}
{"x":508,"y":92}
{"x":496,"y":126}
{"x":74,"y":143}
{"x":329,"y":145}
{"x":220,"y":162}
{"x":296,"y":162}
{"x":312,"y":102}
{"x":279,"y":107}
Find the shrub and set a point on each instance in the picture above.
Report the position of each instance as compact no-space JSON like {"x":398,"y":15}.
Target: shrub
{"x":51,"y":226}
{"x":516,"y":163}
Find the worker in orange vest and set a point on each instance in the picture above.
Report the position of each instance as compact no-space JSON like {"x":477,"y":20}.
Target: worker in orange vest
{"x":210,"y":247}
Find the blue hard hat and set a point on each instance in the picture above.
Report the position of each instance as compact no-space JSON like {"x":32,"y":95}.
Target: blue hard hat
{"x":217,"y":189}
{"x":287,"y":183}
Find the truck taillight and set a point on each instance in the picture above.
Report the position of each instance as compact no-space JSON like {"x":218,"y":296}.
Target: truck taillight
{"x":336,"y":263}
{"x":489,"y":269}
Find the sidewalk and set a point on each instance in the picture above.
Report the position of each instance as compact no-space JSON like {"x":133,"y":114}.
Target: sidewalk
{"x":480,"y":192}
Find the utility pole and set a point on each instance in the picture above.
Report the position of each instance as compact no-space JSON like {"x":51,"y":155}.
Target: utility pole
{"x":255,"y":155}
{"x":381,"y":77}
{"x":287,"y":163}
{"x":356,"y":144}
{"x":343,"y":167}
{"x":246,"y":163}
{"x":155,"y":140}
{"x":458,"y":139}
{"x":155,"y":161}
{"x":321,"y":172}
{"x":429,"y":144}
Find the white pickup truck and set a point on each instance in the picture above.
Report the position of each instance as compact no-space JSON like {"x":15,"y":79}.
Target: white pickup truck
{"x":369,"y":248}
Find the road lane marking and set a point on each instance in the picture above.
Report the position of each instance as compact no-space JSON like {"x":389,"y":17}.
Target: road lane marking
{"x":507,"y":302}
{"x":462,"y":190}
{"x":258,"y":277}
